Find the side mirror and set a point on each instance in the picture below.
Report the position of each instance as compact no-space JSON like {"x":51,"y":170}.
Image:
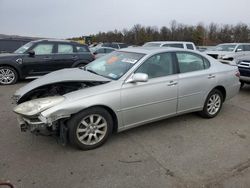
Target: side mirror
{"x":239,"y":50}
{"x":31,"y":53}
{"x":138,"y":77}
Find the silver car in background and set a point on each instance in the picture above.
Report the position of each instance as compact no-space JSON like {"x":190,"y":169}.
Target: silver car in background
{"x":122,"y":90}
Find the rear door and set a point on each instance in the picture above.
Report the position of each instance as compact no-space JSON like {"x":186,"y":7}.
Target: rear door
{"x":65,"y":56}
{"x":39,"y":64}
{"x":195,"y":80}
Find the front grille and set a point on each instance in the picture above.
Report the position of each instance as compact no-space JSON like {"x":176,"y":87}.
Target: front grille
{"x":215,"y":56}
{"x":32,"y":120}
{"x":244,"y":64}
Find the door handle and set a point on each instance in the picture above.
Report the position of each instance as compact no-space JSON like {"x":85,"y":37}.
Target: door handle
{"x":210,"y":76}
{"x":172,"y":83}
{"x":74,"y":57}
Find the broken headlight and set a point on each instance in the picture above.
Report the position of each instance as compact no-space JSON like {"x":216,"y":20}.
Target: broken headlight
{"x":33,"y":107}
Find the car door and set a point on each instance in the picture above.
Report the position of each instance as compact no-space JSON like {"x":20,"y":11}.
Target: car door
{"x":99,"y":52}
{"x":157,"y":98}
{"x":38,"y":64}
{"x":65,"y":56}
{"x":195,"y":80}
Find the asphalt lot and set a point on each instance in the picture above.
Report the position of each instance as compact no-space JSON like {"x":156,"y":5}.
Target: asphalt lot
{"x":185,"y":151}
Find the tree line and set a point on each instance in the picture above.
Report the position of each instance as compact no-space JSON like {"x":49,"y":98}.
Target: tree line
{"x":200,"y":34}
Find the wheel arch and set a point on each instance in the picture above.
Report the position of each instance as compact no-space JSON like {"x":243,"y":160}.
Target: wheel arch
{"x":110,"y":111}
{"x":14,"y":67}
{"x":222,"y":90}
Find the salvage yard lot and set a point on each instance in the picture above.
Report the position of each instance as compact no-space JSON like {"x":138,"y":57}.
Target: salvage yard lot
{"x":185,"y":151}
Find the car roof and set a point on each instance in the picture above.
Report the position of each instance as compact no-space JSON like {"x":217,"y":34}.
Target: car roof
{"x":152,"y":50}
{"x":234,"y":43}
{"x":57,"y":40}
{"x":169,"y":42}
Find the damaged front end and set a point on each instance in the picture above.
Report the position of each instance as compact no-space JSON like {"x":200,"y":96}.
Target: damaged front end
{"x":33,"y":103}
{"x":55,"y":89}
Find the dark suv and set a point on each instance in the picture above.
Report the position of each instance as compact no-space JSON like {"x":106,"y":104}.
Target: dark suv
{"x":40,"y":57}
{"x":244,"y":68}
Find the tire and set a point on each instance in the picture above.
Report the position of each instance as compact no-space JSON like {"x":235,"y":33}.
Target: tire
{"x":90,"y":128}
{"x":241,"y":84}
{"x":213,"y":104}
{"x":8,"y":75}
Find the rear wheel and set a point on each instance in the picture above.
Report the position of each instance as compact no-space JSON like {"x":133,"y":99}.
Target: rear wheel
{"x":8,"y":75}
{"x":212,"y":104}
{"x":90,"y":128}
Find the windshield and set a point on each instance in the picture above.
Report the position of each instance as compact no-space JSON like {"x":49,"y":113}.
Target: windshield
{"x":150,"y":44}
{"x":114,"y":65}
{"x":23,"y":48}
{"x":224,"y":47}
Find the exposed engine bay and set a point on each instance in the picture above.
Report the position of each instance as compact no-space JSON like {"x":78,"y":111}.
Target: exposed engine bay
{"x":55,"y":89}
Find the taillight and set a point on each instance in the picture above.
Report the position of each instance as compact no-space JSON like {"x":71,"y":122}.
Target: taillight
{"x":237,"y":74}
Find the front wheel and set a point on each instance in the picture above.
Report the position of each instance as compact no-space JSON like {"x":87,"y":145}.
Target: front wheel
{"x":90,"y":128}
{"x":241,"y":84}
{"x":212,"y":104}
{"x":8,"y":75}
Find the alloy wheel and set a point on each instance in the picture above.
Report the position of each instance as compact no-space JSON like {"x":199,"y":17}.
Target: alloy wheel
{"x":7,"y":76}
{"x":91,"y":129}
{"x":214,"y":104}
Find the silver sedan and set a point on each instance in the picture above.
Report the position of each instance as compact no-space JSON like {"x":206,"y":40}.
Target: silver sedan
{"x":122,"y":90}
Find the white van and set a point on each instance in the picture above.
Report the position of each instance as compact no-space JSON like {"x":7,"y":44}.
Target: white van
{"x":174,"y":44}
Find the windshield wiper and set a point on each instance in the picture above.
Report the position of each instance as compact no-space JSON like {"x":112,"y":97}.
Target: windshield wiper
{"x":91,"y":71}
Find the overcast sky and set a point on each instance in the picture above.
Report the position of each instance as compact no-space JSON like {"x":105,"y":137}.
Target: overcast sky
{"x":68,"y":18}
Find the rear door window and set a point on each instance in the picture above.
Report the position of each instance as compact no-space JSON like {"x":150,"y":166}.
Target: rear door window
{"x":189,"y":62}
{"x":190,"y":46}
{"x":65,"y":48}
{"x":246,"y":47}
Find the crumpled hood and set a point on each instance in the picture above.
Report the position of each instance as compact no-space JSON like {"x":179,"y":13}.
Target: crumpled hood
{"x":64,"y":75}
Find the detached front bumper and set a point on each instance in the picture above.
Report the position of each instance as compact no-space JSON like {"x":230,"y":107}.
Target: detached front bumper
{"x":33,"y":124}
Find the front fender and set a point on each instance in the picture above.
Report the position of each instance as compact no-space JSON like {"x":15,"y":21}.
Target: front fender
{"x":69,"y":107}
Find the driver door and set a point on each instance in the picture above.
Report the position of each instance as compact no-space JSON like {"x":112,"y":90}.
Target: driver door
{"x":143,"y":102}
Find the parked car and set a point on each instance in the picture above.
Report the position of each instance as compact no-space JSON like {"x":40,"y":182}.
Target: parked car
{"x":122,"y":90}
{"x":243,"y":64}
{"x":227,"y":52}
{"x":116,"y":45}
{"x":102,"y":51}
{"x":174,"y":44}
{"x":40,"y":57}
